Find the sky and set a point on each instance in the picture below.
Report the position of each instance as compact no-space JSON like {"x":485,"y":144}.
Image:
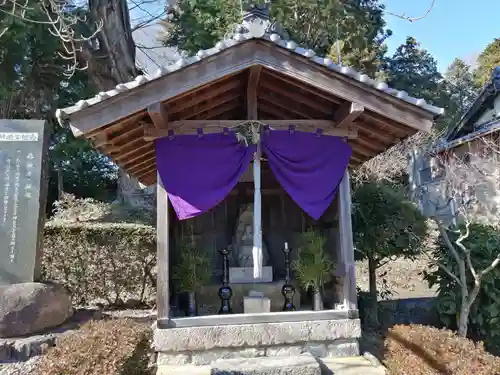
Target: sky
{"x":453,"y":28}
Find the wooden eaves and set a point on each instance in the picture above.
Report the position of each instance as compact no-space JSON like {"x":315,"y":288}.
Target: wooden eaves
{"x":255,"y":79}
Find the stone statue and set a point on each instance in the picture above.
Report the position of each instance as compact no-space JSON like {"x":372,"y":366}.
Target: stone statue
{"x":243,"y":243}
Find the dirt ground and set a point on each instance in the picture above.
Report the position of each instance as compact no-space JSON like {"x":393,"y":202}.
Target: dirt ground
{"x":403,"y":277}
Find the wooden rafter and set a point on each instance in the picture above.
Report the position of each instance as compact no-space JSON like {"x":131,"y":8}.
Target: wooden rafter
{"x":227,"y":97}
{"x":135,"y":150}
{"x":147,"y":172}
{"x":204,"y":95}
{"x":139,"y":166}
{"x":347,"y":114}
{"x":315,"y":104}
{"x":159,"y":115}
{"x":275,"y":100}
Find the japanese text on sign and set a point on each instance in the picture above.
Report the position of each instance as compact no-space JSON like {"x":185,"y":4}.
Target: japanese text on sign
{"x":18,"y":137}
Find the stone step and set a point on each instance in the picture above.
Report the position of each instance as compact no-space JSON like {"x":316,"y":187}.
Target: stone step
{"x":350,"y":366}
{"x":304,"y":364}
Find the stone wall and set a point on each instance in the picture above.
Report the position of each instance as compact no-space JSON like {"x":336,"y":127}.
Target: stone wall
{"x":203,"y":345}
{"x":408,"y":311}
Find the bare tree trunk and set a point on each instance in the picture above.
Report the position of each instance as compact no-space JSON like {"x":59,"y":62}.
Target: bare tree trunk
{"x":111,"y":57}
{"x":111,"y":61}
{"x":372,"y":278}
{"x":60,"y":185}
{"x":467,"y":301}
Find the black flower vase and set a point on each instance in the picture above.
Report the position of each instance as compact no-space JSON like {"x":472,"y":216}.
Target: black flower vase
{"x":317,"y":299}
{"x":192,"y":308}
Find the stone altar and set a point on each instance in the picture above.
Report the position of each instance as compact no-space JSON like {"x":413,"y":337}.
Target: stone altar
{"x":23,"y":187}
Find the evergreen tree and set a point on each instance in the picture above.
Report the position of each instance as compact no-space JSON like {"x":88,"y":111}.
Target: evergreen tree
{"x":461,"y":89}
{"x":487,"y":61}
{"x":414,"y":70}
{"x":358,"y":26}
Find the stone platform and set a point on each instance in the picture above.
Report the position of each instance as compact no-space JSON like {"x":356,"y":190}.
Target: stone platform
{"x":203,"y":345}
{"x":208,"y":295}
{"x":305,"y":364}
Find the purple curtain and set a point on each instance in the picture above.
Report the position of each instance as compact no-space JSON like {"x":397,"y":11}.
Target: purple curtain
{"x":199,"y":171}
{"x":309,"y":166}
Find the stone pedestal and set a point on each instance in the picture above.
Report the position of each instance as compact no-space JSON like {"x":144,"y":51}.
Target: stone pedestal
{"x":206,"y":344}
{"x":256,"y":303}
{"x":244,"y":275}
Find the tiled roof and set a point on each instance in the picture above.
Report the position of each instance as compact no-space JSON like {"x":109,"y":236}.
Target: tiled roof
{"x":491,"y":127}
{"x":254,"y":27}
{"x":484,"y":99}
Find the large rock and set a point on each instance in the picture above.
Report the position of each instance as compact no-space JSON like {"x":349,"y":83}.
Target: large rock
{"x":32,"y":307}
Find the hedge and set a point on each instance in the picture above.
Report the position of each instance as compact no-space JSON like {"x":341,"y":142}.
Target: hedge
{"x":111,"y":261}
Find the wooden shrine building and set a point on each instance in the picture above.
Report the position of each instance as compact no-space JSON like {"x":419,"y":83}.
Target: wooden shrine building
{"x":257,"y":81}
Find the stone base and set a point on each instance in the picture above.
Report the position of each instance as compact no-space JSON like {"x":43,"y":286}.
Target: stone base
{"x":244,"y":275}
{"x":205,"y":345}
{"x":304,"y":364}
{"x":208,"y":296}
{"x":299,"y":365}
{"x":256,"y":305}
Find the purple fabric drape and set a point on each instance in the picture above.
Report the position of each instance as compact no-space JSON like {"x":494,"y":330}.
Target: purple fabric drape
{"x":198,"y":172}
{"x":309,"y":166}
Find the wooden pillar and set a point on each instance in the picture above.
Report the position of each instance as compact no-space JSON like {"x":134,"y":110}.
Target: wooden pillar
{"x":162,"y":251}
{"x":346,"y":244}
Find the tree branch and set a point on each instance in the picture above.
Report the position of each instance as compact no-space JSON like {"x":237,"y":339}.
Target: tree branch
{"x":413,"y":19}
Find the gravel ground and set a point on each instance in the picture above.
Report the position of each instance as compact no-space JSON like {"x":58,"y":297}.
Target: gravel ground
{"x":19,"y":368}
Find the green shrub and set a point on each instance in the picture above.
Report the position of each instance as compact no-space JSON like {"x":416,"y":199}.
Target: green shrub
{"x":385,"y":225}
{"x":484,"y":319}
{"x":194,"y":268}
{"x":111,"y":261}
{"x":422,"y":350}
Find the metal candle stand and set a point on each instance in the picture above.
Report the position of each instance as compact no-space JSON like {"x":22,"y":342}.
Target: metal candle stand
{"x":225,"y":291}
{"x":288,"y":290}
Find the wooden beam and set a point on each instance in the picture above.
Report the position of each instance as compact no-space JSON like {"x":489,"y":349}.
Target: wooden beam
{"x":159,"y":115}
{"x":347,"y":114}
{"x":162,"y":250}
{"x":215,"y":126}
{"x":252,"y":84}
{"x":347,"y":244}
